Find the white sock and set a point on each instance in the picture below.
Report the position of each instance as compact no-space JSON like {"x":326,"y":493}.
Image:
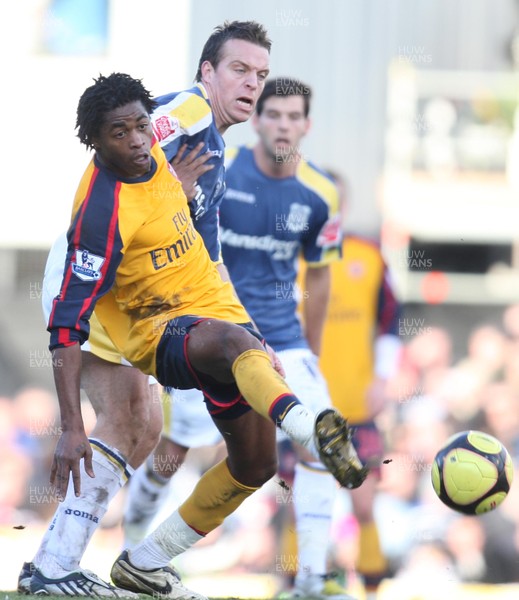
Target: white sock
{"x":147,"y":492}
{"x":299,"y":425}
{"x":314,"y":494}
{"x":171,"y":538}
{"x":40,"y":553}
{"x":76,"y":519}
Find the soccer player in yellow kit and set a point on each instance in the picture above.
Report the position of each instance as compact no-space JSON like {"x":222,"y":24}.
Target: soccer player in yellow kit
{"x":231,"y":70}
{"x":134,"y":255}
{"x":360,"y":351}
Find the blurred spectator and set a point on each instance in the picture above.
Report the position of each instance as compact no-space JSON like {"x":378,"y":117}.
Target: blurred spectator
{"x":466,"y":540}
{"x":486,"y":349}
{"x":501,"y":542}
{"x":500,"y":405}
{"x":15,"y":475}
{"x":37,"y":430}
{"x":511,"y":366}
{"x":37,"y":425}
{"x":511,"y":322}
{"x":428,"y":566}
{"x":395,"y":504}
{"x":426,"y":361}
{"x":422,"y":538}
{"x":7,"y":423}
{"x":484,"y":362}
{"x":15,"y":469}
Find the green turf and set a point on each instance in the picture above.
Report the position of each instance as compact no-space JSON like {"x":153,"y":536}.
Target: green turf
{"x":11,"y":595}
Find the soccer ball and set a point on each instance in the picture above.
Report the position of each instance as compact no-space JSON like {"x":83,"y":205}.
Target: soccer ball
{"x":472,"y":472}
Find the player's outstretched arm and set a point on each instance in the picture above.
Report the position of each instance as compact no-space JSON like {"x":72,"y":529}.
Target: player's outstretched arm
{"x":73,"y":444}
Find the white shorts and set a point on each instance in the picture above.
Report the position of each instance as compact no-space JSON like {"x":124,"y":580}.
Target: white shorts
{"x":187,"y":420}
{"x":188,"y":423}
{"x":98,"y":343}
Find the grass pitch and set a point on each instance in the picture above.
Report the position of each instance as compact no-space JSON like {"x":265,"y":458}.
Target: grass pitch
{"x":11,"y":595}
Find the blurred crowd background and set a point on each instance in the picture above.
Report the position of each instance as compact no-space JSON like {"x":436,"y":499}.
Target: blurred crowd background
{"x":433,"y":395}
{"x":416,"y":105}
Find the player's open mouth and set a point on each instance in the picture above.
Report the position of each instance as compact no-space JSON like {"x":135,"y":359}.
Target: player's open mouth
{"x":142,"y":159}
{"x":283,"y":145}
{"x":245,"y":102}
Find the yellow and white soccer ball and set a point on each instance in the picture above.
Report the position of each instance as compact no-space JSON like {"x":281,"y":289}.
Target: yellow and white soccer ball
{"x":472,"y":472}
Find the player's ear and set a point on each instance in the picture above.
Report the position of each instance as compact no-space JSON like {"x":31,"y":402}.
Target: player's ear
{"x":206,"y":69}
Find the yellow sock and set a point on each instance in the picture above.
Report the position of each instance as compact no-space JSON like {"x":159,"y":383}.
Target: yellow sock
{"x":263,"y":388}
{"x":372,"y":564}
{"x":216,"y":495}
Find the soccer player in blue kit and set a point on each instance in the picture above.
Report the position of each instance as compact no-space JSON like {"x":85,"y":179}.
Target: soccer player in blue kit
{"x":276,"y":206}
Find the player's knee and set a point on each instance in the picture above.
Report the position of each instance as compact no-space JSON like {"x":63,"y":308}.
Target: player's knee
{"x":237,"y":340}
{"x":153,"y":430}
{"x":155,"y":420}
{"x":145,"y":423}
{"x":255,"y":473}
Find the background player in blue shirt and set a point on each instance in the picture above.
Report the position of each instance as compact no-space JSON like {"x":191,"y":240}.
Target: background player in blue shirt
{"x":277,"y":206}
{"x":195,"y":120}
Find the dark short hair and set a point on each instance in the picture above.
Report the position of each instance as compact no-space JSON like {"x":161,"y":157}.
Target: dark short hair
{"x":250,"y":31}
{"x":105,"y":95}
{"x":283,"y":87}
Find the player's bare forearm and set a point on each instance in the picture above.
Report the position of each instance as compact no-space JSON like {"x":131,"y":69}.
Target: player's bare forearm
{"x":315,"y":305}
{"x":73,"y":443}
{"x":66,"y":364}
